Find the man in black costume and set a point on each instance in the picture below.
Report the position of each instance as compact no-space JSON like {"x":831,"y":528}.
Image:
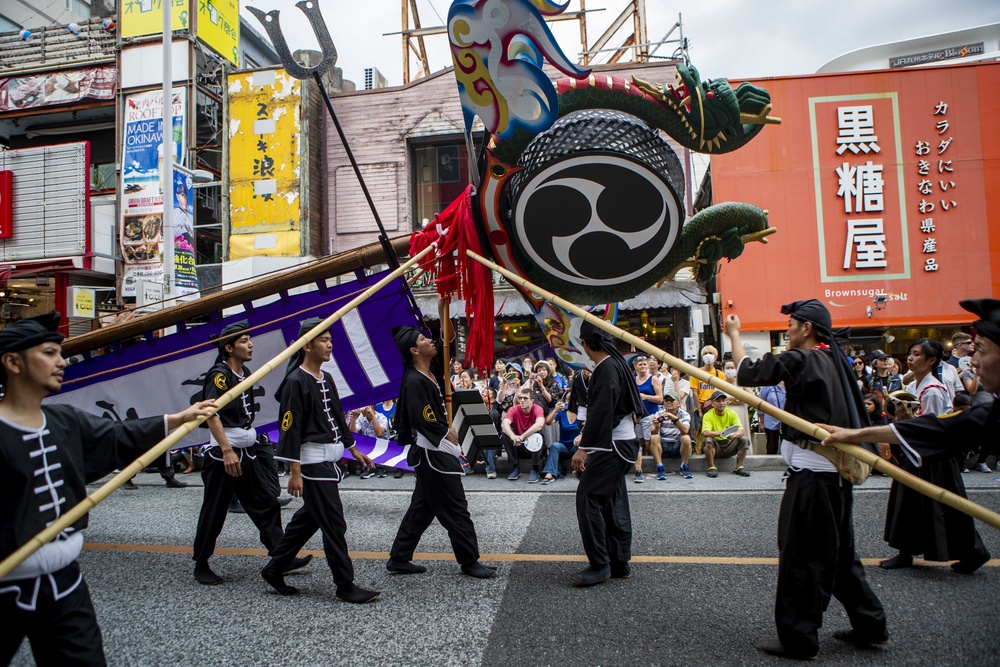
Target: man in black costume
{"x":232,"y":467}
{"x":49,"y":453}
{"x":608,"y":449}
{"x":314,"y":436}
{"x":931,"y":437}
{"x":422,"y":423}
{"x":816,"y":554}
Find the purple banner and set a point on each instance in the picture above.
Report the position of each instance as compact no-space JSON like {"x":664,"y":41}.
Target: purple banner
{"x":163,"y":375}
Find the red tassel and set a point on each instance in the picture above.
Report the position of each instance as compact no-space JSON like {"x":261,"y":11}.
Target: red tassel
{"x":454,"y":232}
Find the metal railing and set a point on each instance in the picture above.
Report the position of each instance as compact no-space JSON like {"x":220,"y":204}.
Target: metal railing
{"x":56,"y":47}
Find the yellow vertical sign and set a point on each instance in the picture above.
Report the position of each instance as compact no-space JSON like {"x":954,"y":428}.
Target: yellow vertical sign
{"x":264,"y":185}
{"x":219,"y":27}
{"x":145,"y":17}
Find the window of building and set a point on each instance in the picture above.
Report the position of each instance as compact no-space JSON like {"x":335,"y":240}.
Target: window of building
{"x":441,"y":172}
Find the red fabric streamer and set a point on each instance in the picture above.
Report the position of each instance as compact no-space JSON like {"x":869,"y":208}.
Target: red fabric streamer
{"x":453,"y":231}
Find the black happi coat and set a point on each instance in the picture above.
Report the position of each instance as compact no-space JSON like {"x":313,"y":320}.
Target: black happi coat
{"x":608,"y":402}
{"x":310,"y":412}
{"x":79,"y":448}
{"x":420,"y":409}
{"x":238,"y":413}
{"x":811,"y":388}
{"x":917,"y":525}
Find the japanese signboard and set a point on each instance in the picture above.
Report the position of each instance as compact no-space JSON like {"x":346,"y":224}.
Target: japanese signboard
{"x":141,"y":224}
{"x":876,"y":183}
{"x":40,"y":90}
{"x":219,"y":27}
{"x":218,"y":22}
{"x":145,"y":17}
{"x":264,"y":164}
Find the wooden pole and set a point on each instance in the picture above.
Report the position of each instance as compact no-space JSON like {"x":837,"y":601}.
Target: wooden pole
{"x":137,"y":466}
{"x":362,"y":257}
{"x":932,"y":491}
{"x":446,"y":352}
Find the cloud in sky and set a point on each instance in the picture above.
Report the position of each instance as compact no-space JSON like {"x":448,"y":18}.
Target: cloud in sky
{"x":728,"y":38}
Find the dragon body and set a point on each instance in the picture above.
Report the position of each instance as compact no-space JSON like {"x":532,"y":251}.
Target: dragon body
{"x":704,"y":116}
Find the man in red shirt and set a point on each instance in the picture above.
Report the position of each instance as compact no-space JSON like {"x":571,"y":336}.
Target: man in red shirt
{"x":522,"y":420}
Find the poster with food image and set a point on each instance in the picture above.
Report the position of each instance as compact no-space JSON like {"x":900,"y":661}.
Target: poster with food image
{"x":141,"y":223}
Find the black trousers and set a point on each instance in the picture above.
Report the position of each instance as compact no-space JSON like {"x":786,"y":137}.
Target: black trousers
{"x":61,"y":632}
{"x":817,"y":559}
{"x":773,"y":440}
{"x":440,"y":496}
{"x":516,"y":453}
{"x":266,"y":466}
{"x":250,"y":488}
{"x":321,"y":510}
{"x":602,"y":509}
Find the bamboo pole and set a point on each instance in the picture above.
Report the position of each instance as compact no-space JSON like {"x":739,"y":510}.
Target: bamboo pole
{"x":932,"y":491}
{"x":364,"y":256}
{"x":446,"y":353}
{"x":137,"y":466}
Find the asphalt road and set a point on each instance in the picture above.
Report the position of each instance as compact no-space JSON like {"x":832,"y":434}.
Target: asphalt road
{"x":702,"y":594}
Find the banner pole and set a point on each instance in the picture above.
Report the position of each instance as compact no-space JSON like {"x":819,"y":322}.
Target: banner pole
{"x":137,"y":466}
{"x":924,"y":487}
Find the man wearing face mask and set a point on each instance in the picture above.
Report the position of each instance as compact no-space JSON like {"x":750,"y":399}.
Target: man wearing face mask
{"x":702,"y":391}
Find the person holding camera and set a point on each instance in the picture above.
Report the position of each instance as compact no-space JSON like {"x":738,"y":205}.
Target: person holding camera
{"x":671,"y":436}
{"x":562,"y":447}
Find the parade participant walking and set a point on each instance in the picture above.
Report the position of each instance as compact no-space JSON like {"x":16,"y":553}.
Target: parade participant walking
{"x":232,"y":467}
{"x":50,"y":453}
{"x":422,"y":423}
{"x":816,"y":554}
{"x":608,"y":448}
{"x":915,"y":524}
{"x":931,"y":442}
{"x":314,"y":435}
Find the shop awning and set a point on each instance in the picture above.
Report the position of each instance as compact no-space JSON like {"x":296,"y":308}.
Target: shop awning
{"x":510,"y":303}
{"x":34,"y":267}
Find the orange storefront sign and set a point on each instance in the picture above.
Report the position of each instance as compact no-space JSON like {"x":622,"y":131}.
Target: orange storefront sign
{"x":878,"y":183}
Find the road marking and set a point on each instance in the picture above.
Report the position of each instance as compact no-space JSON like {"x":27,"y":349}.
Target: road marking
{"x":502,"y":558}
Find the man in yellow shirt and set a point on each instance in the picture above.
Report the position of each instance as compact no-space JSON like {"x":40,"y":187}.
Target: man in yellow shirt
{"x":724,"y":436}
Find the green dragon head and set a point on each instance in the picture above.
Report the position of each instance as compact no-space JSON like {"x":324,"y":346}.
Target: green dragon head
{"x":711,"y":111}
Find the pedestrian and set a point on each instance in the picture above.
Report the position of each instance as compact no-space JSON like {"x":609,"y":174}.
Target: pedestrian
{"x":608,"y":449}
{"x":422,"y":423}
{"x":50,"y":453}
{"x":816,"y":553}
{"x":232,"y":468}
{"x":313,"y":437}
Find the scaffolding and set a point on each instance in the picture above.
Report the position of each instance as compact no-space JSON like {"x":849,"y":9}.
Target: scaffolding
{"x":635,"y":45}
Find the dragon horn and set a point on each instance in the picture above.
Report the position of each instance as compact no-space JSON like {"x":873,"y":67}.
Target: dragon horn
{"x":760,"y":118}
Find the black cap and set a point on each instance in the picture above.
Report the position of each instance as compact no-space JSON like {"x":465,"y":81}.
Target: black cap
{"x":814,"y":312}
{"x":988,"y":312}
{"x":717,"y":394}
{"x":31,"y":331}
{"x":877,"y":355}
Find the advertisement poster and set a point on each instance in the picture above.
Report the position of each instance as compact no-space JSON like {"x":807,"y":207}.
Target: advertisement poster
{"x":142,"y":188}
{"x":39,"y":90}
{"x":182,"y":218}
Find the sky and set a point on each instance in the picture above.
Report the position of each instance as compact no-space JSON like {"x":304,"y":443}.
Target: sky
{"x":727,"y":38}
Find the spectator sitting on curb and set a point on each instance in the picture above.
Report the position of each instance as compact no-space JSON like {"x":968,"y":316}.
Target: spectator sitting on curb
{"x":524,"y":419}
{"x":562,"y":447}
{"x":672,"y":439}
{"x":724,"y":436}
{"x":367,"y":421}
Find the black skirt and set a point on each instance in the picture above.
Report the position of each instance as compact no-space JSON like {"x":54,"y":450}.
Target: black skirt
{"x":917,"y":525}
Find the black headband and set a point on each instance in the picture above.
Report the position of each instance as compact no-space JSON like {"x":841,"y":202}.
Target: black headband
{"x":988,"y":311}
{"x":29,"y":332}
{"x":813,"y":312}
